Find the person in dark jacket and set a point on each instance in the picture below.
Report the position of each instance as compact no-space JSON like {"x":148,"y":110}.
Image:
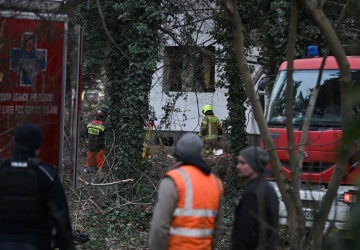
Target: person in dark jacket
{"x":96,"y":141}
{"x":257,"y":212}
{"x":34,"y":212}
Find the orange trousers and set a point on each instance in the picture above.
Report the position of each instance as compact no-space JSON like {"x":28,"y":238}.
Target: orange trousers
{"x":95,"y":159}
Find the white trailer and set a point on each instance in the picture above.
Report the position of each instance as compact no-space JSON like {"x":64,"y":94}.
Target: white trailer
{"x":184,"y":84}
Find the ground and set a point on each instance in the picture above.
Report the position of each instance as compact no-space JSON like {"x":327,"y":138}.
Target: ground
{"x":117,"y":218}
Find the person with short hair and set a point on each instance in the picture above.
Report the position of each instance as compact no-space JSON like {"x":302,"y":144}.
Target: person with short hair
{"x":188,"y":214}
{"x":34,"y":212}
{"x":257,"y":212}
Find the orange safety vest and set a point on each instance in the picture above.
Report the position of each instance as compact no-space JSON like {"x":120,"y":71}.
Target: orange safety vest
{"x":193,"y":220}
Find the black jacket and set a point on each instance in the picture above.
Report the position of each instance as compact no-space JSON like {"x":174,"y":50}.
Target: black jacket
{"x":96,"y":135}
{"x":257,"y":194}
{"x":40,"y":232}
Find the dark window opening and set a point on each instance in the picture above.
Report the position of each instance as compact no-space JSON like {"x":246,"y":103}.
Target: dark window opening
{"x":189,"y":69}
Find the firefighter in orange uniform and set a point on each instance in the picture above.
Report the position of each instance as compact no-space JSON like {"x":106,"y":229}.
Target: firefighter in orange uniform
{"x":96,"y":146}
{"x":188,"y":213}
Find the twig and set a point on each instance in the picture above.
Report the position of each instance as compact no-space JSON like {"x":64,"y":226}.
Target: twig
{"x":106,"y":184}
{"x":107,"y":31}
{"x":128,"y":203}
{"x":96,"y":205}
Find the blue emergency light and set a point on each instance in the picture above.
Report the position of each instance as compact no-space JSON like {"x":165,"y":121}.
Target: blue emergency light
{"x":313,"y":51}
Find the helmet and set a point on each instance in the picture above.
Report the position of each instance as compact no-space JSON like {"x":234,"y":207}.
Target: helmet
{"x":102,"y":112}
{"x":263,"y":83}
{"x":206,"y":108}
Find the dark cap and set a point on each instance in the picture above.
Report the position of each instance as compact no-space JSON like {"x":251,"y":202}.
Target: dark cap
{"x":189,"y":145}
{"x":28,"y":136}
{"x":256,"y":157}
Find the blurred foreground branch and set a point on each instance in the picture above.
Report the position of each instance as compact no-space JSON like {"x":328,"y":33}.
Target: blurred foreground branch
{"x":106,"y":184}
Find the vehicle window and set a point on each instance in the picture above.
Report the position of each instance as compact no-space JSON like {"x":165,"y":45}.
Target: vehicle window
{"x":327,"y":109}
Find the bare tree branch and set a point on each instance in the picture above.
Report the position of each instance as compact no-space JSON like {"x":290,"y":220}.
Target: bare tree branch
{"x":296,"y":220}
{"x":106,"y":184}
{"x":107,"y":31}
{"x":245,"y":73}
{"x":346,"y":87}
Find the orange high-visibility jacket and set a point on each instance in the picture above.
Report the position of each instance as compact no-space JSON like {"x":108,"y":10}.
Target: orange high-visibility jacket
{"x":194,"y":218}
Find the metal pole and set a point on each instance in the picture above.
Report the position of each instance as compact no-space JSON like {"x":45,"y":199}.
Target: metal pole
{"x":75,"y":104}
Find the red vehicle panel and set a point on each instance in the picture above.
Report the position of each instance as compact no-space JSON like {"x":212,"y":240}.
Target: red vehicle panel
{"x":32,"y":83}
{"x":315,"y":63}
{"x":324,"y":138}
{"x":320,"y":153}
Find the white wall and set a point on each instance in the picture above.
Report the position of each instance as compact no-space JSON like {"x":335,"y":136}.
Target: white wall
{"x":190,"y":105}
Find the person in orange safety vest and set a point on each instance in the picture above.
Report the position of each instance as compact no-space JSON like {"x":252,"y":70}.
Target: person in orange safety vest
{"x":188,"y":214}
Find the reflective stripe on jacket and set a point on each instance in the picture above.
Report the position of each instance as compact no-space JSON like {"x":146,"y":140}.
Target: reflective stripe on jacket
{"x":194,"y":218}
{"x":211,"y":124}
{"x":96,"y":135}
